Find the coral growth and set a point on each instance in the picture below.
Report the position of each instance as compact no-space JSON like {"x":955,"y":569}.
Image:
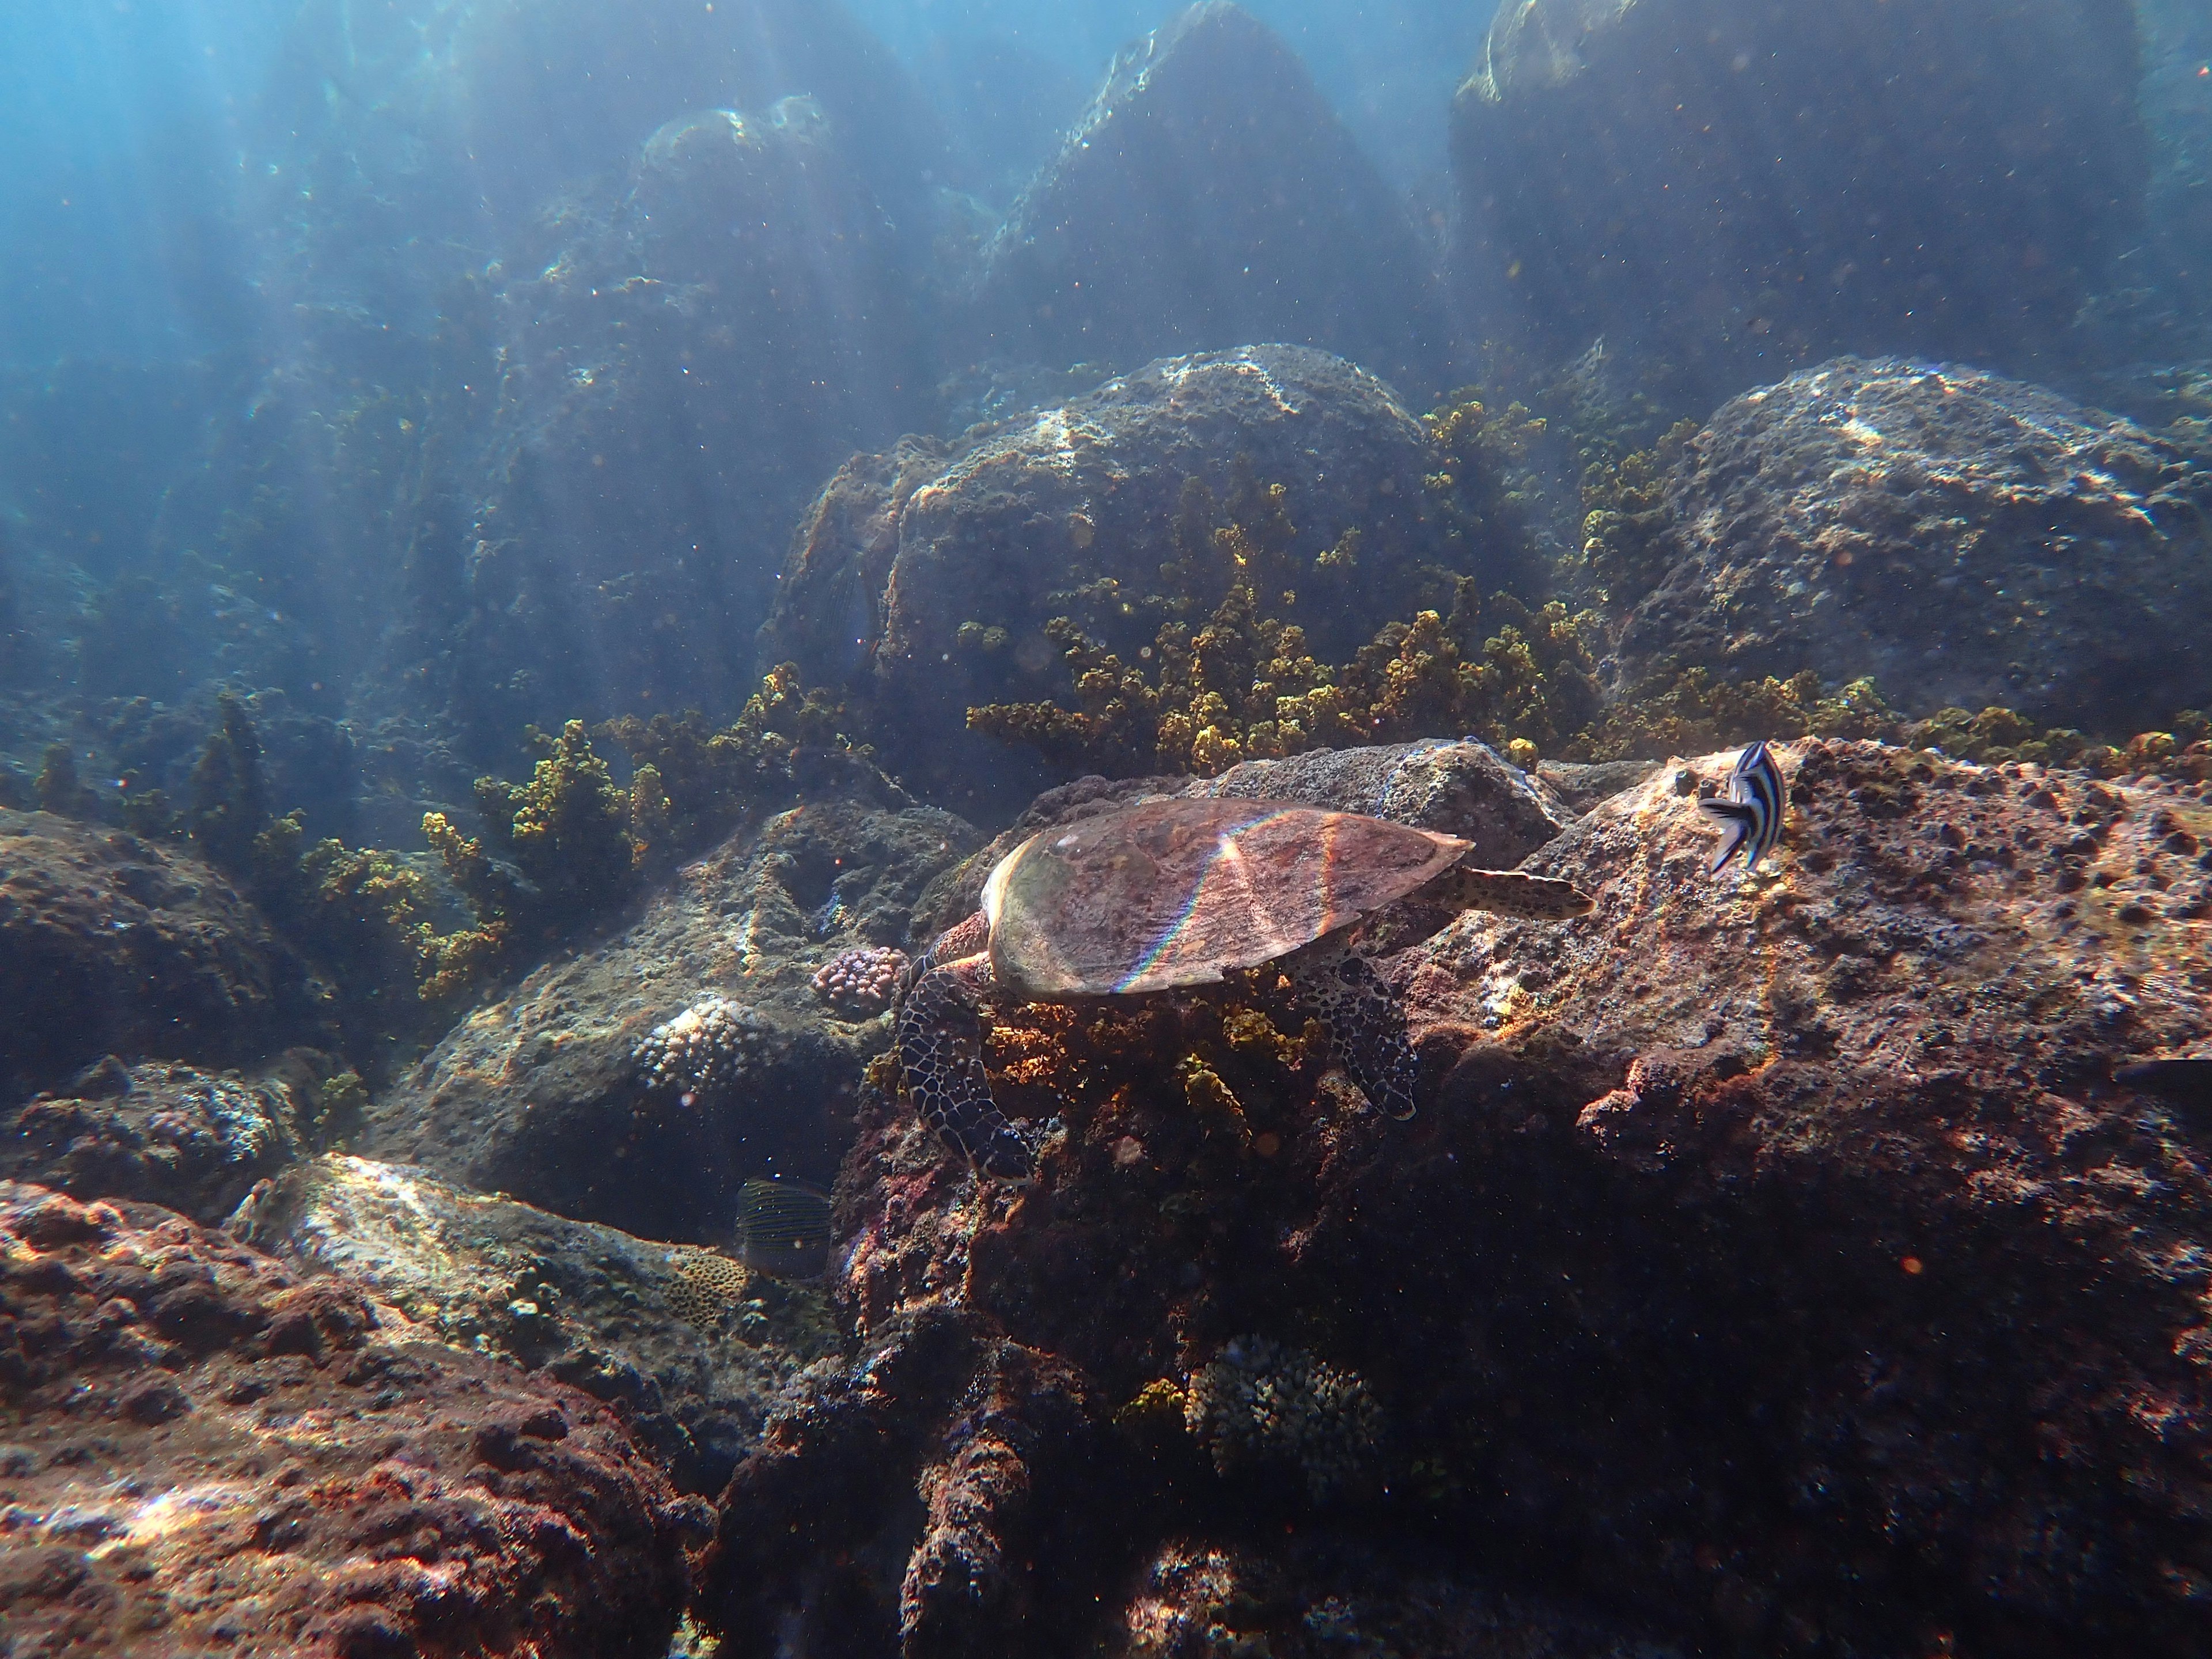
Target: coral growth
{"x":567,"y":830}
{"x":1244,"y":687}
{"x":228,"y":805}
{"x":703,"y":1286}
{"x":1484,"y":474}
{"x":860,"y":981}
{"x":705,"y":1049}
{"x":1260,"y":1403}
{"x":1626,"y":547}
{"x":692,"y":783}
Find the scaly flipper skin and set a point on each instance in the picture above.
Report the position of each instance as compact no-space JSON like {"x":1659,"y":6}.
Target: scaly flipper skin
{"x":939,"y":1034}
{"x":1366,"y":1025}
{"x":1513,"y":893}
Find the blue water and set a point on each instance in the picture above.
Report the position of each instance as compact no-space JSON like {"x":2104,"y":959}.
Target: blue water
{"x":137,"y":137}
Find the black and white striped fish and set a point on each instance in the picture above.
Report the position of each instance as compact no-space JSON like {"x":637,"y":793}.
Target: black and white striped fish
{"x":1753,"y":809}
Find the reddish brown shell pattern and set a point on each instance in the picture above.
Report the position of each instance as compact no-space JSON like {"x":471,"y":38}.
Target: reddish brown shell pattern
{"x":1173,"y":892}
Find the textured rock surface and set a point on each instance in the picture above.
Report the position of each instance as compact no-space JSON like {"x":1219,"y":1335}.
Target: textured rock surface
{"x":1294,"y":1600}
{"x":1072,"y":511}
{"x":540,"y":1094}
{"x":1773,"y":1255}
{"x":678,"y":381}
{"x":1740,"y":190}
{"x":109,"y":944}
{"x":1458,"y":786}
{"x":204,"y":1453}
{"x":1210,"y":198}
{"x":686,"y":1352}
{"x":173,"y":1134}
{"x":1966,"y":539}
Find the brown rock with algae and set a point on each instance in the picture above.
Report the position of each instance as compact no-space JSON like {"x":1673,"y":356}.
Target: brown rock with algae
{"x":204,"y":1452}
{"x":1079,"y":511}
{"x":1773,"y":1255}
{"x":684,"y":1344}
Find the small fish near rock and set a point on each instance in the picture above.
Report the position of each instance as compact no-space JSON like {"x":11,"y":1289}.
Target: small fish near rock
{"x":1752,"y":811}
{"x":783,"y":1228}
{"x":1169,"y":894}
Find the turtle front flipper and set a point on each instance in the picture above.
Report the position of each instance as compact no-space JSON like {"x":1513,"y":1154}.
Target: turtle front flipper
{"x":1366,"y":1026}
{"x":939,"y":1034}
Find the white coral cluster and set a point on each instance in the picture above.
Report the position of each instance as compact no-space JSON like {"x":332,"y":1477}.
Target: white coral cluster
{"x":860,"y":981}
{"x":704,"y":1049}
{"x":1262,"y":1403}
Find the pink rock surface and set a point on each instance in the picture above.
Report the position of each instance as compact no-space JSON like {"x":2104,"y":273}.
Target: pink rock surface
{"x":204,"y":1453}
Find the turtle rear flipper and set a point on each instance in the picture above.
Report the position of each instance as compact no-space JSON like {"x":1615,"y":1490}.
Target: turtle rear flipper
{"x":939,"y":1034}
{"x":1366,"y":1026}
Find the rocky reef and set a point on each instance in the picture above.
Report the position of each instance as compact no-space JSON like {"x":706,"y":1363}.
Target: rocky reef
{"x":203,"y":1451}
{"x":1276,"y":227}
{"x":111,"y":943}
{"x":560,"y":1093}
{"x":654,"y":346}
{"x":1962,"y":539}
{"x":1766,"y":1262}
{"x":928,"y":581}
{"x":1774,"y":190}
{"x":685,"y":1346}
{"x":189,"y":1139}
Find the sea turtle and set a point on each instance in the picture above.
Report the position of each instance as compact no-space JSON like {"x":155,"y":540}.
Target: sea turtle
{"x":1171,"y":893}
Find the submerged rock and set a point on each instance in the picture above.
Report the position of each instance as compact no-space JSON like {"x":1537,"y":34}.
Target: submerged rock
{"x":678,"y":381}
{"x":1300,"y":1599}
{"x":1207,"y":198}
{"x":557,"y":1093}
{"x":174,"y":1134}
{"x":204,"y":1452}
{"x":112,"y":945}
{"x":1964,"y":539}
{"x":1762,"y":1239}
{"x":923,"y":580}
{"x":1737,"y":189}
{"x":687,"y":1350}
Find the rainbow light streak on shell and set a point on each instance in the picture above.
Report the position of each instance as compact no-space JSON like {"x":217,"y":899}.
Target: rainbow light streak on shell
{"x":1176,"y":892}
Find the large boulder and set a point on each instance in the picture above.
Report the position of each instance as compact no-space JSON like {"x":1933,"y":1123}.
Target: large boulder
{"x":1738,"y":189}
{"x":685,"y":1345}
{"x":1964,"y":539}
{"x":113,"y":945}
{"x":679,"y":380}
{"x":568,"y":1095}
{"x":1774,"y":1258}
{"x":1210,"y":197}
{"x":924,"y":579}
{"x":205,"y":1453}
{"x":179,"y":1136}
{"x":422,"y":129}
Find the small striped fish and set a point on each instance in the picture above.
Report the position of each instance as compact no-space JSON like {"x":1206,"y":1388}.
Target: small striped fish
{"x":1753,"y":809}
{"x":783,"y":1228}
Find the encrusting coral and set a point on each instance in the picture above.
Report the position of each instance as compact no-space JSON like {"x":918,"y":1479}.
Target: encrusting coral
{"x":703,"y":1286}
{"x":1261,"y":1403}
{"x":702,"y":1050}
{"x":860,"y":981}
